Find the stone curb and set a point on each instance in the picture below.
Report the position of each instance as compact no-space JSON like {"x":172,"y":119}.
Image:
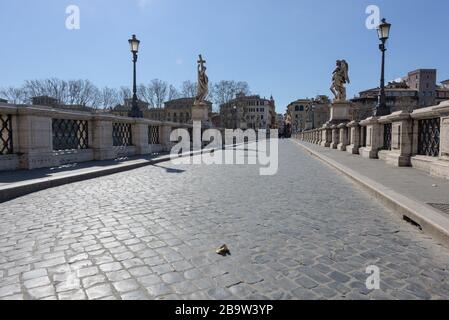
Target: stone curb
{"x":9,"y":193}
{"x":430,"y":220}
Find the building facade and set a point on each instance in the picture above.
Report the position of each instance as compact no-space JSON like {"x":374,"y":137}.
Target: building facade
{"x":419,"y":89}
{"x":123,"y":110}
{"x":178,"y":110}
{"x":248,"y":112}
{"x":306,"y":114}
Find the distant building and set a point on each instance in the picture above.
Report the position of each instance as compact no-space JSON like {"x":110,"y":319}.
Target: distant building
{"x":248,"y":112}
{"x":418,"y":89}
{"x":280,"y":121}
{"x":3,"y":101}
{"x":178,"y":110}
{"x":215,"y":120}
{"x":399,"y":97}
{"x":45,"y":101}
{"x":306,"y":114}
{"x":55,"y":103}
{"x":123,"y":110}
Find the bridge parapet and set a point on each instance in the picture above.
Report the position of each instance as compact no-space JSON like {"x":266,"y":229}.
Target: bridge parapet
{"x":419,"y":139}
{"x":40,"y":136}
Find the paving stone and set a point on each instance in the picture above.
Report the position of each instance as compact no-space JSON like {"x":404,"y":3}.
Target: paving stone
{"x":149,"y":280}
{"x":42,"y":292}
{"x":339,"y":277}
{"x":10,"y":290}
{"x":37,"y":282}
{"x":218,"y":293}
{"x":140,"y":271}
{"x":93,"y":280}
{"x":33,"y":274}
{"x":99,"y":291}
{"x":172,"y":277}
{"x":157,"y":290}
{"x":72,"y":295}
{"x":135,"y":295}
{"x":86,"y":272}
{"x":306,"y":282}
{"x":113,"y":266}
{"x":126,"y":285}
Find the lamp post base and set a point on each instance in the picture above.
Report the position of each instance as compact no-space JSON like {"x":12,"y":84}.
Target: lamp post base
{"x":135,"y":114}
{"x":381,"y":110}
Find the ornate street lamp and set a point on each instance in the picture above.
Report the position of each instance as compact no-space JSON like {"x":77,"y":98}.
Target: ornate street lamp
{"x":135,"y":111}
{"x":383,"y":32}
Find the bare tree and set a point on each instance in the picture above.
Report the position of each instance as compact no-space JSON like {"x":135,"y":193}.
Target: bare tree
{"x":109,"y":98}
{"x":145,"y":93}
{"x":125,"y":93}
{"x":83,"y":93}
{"x":155,"y":93}
{"x":160,"y":90}
{"x":173,"y":93}
{"x":13,"y":95}
{"x":188,"y":89}
{"x":226,"y":90}
{"x":52,"y":87}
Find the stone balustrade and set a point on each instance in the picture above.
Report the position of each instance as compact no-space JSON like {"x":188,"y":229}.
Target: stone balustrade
{"x":419,"y":139}
{"x":38,"y":136}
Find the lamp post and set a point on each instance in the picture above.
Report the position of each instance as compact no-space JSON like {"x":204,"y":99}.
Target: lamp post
{"x":135,"y":111}
{"x":383,"y":32}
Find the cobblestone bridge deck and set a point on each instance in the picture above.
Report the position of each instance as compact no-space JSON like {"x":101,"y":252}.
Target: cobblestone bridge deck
{"x":306,"y":233}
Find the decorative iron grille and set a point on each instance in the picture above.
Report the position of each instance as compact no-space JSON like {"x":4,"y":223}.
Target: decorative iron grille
{"x":5,"y":135}
{"x":153,"y":135}
{"x":387,"y":136}
{"x":122,"y":134}
{"x":70,"y":134}
{"x":429,"y":137}
{"x":363,"y":134}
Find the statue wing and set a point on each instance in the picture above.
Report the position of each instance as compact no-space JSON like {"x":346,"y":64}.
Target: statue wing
{"x":345,"y":66}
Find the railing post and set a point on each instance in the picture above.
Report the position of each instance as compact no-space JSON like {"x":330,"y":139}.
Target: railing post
{"x":9,"y":131}
{"x":401,"y":139}
{"x":102,"y":143}
{"x":373,"y":138}
{"x":140,"y":137}
{"x":335,"y":137}
{"x":35,"y":136}
{"x":327,"y":136}
{"x":343,"y":134}
{"x":166,"y":130}
{"x":443,"y":111}
{"x":354,"y":137}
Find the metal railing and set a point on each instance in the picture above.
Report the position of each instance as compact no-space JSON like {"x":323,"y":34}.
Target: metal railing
{"x":387,"y":136}
{"x":6,"y":146}
{"x":429,"y":137}
{"x":70,"y":134}
{"x":153,"y":135}
{"x":363,"y":132}
{"x":122,"y":134}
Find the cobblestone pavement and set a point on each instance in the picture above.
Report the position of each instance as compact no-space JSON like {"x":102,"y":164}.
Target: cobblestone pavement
{"x":151,"y":233}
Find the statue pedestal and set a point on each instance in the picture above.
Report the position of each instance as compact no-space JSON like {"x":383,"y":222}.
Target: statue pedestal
{"x":339,"y":112}
{"x":200,"y":112}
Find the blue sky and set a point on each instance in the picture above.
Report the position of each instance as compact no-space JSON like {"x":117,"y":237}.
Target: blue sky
{"x":286,"y":48}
